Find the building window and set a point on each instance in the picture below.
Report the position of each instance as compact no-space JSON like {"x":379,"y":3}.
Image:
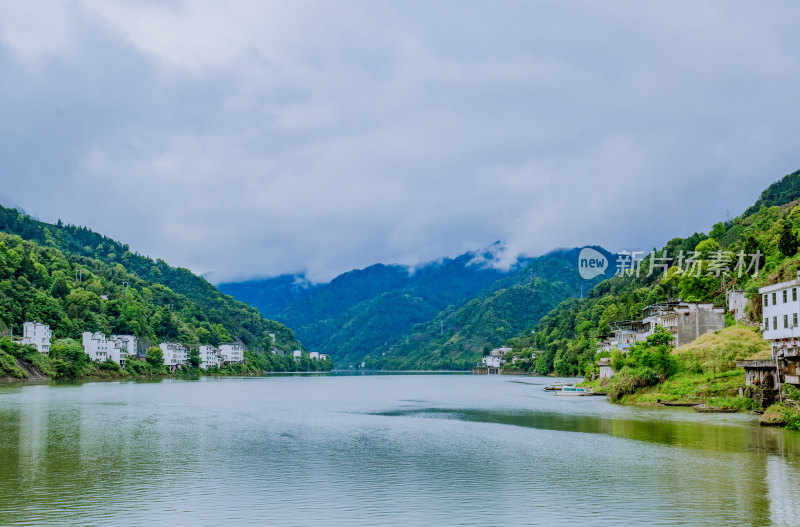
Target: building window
{"x":794,"y":319}
{"x":784,"y":296}
{"x":785,"y":321}
{"x":774,"y":322}
{"x":766,"y":323}
{"x":766,"y":300}
{"x":774,"y":298}
{"x":794,"y":294}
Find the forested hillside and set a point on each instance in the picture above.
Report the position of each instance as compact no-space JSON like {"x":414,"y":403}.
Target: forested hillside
{"x":366,"y":309}
{"x":76,"y":280}
{"x":457,"y":337}
{"x":568,"y":334}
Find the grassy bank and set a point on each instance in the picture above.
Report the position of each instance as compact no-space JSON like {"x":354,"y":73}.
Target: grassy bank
{"x":702,"y":372}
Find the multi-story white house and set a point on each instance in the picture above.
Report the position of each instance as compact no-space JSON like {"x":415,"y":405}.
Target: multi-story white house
{"x":231,"y":353}
{"x":98,"y":347}
{"x":314,"y":355}
{"x":174,"y":354}
{"x":37,"y":334}
{"x":124,"y":346}
{"x":209,"y":357}
{"x":117,"y":347}
{"x":297,"y":354}
{"x":781,"y":310}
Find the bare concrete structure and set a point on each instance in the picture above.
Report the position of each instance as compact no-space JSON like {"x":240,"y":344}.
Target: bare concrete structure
{"x":761,"y":373}
{"x":684,"y":320}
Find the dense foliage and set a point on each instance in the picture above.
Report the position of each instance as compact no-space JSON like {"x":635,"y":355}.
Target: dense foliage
{"x":363,"y":310}
{"x":568,"y":335}
{"x":159,"y":301}
{"x":60,"y":279}
{"x":781,"y":192}
{"x":458,"y":336}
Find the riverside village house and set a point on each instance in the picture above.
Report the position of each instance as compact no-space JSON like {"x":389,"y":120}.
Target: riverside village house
{"x":686,"y":321}
{"x":781,"y":309}
{"x":118,"y":348}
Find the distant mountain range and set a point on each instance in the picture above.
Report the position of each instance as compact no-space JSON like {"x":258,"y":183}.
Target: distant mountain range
{"x":434,"y":316}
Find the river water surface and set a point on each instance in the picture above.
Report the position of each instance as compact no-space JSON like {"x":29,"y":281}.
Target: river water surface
{"x":380,"y":450}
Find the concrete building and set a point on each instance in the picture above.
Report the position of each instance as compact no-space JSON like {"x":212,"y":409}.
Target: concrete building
{"x":98,"y":347}
{"x":624,"y":334}
{"x":37,"y":334}
{"x":314,"y":355}
{"x":604,"y":369}
{"x":297,"y":354}
{"x":685,"y":321}
{"x":125,"y":346}
{"x":209,"y":357}
{"x":323,"y":356}
{"x":761,"y":373}
{"x":174,"y":354}
{"x":781,"y":310}
{"x":736,"y":303}
{"x":231,"y":353}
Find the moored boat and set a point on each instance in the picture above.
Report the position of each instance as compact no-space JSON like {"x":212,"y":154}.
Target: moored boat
{"x":573,"y":390}
{"x":558,"y":384}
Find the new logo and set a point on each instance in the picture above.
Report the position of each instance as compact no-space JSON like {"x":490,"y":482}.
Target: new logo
{"x":591,"y":263}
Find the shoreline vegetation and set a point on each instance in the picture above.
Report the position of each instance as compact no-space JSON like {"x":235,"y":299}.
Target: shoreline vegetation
{"x":68,"y":361}
{"x":700,"y":374}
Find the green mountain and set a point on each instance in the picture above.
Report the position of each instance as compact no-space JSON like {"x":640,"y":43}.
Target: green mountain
{"x":366,"y":309}
{"x":393,"y":317}
{"x":76,"y":280}
{"x":457,"y":337}
{"x":568,"y":334}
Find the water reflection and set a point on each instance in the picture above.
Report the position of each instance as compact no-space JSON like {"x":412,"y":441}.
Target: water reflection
{"x":391,"y":451}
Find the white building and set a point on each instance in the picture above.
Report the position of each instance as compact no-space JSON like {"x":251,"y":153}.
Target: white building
{"x":323,"y":356}
{"x":125,"y":345}
{"x":209,"y":357}
{"x":781,"y":310}
{"x":297,"y":354}
{"x":231,"y":353}
{"x":492,"y":362}
{"x":98,"y":347}
{"x":314,"y":355}
{"x":604,"y":369}
{"x":736,"y":303}
{"x":37,"y":334}
{"x":174,"y":354}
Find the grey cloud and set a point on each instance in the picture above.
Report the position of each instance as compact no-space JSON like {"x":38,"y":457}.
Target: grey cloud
{"x":260,"y":139}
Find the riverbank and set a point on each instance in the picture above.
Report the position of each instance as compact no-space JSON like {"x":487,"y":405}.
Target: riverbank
{"x":701,"y":374}
{"x":23,"y":364}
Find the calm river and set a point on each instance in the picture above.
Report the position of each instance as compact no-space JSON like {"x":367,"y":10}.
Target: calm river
{"x":380,"y":450}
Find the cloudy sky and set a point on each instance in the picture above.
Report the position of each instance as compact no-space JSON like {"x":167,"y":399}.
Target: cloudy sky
{"x":257,"y":138}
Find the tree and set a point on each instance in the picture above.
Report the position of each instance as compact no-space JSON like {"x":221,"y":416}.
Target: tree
{"x":194,"y":358}
{"x":787,"y":241}
{"x":59,"y":288}
{"x":155,"y":357}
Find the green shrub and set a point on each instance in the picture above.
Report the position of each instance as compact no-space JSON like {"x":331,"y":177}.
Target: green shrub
{"x":110,"y":366}
{"x":791,"y":392}
{"x":742,"y":404}
{"x":8,"y":366}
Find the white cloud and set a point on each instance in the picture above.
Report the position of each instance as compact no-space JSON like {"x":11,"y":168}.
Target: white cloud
{"x":257,"y":138}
